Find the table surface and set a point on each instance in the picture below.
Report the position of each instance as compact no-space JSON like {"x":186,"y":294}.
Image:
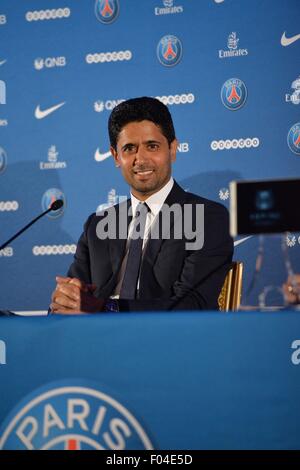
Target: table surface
{"x":192,"y":380}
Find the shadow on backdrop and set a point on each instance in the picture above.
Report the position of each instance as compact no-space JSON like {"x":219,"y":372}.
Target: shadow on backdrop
{"x":27,"y":280}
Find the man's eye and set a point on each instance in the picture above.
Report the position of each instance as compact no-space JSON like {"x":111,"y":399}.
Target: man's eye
{"x":153,"y":146}
{"x":129,"y":148}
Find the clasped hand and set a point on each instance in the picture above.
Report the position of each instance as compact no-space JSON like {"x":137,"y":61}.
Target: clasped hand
{"x":291,"y":289}
{"x":73,"y":296}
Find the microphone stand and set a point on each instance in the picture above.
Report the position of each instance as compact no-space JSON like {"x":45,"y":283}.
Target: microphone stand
{"x":54,"y":207}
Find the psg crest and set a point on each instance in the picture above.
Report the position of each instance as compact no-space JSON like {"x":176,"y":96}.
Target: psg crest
{"x":234,"y":94}
{"x":73,"y":415}
{"x":169,"y":50}
{"x":293,"y":138}
{"x":107,"y":10}
{"x":49,"y":197}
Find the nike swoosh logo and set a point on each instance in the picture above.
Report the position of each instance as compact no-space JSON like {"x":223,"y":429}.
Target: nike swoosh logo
{"x":287,"y":41}
{"x":39,"y":114}
{"x":2,"y":62}
{"x":242,"y":240}
{"x":100,"y":157}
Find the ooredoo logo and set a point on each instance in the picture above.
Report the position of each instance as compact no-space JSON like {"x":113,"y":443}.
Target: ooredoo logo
{"x":9,"y":206}
{"x":235,"y":144}
{"x":42,"y":250}
{"x":114,"y":56}
{"x":185,"y":98}
{"x":169,"y":50}
{"x":106,"y":11}
{"x":54,"y":14}
{"x":73,"y":415}
{"x":234,"y":94}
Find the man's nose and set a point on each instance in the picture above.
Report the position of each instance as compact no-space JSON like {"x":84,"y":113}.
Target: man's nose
{"x":140,"y":155}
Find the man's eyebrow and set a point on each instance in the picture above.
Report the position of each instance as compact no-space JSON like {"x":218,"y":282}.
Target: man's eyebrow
{"x":152,"y":142}
{"x":147,"y":142}
{"x":127,"y":145}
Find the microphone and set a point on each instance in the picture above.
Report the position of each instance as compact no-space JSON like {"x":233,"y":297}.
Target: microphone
{"x":54,"y":207}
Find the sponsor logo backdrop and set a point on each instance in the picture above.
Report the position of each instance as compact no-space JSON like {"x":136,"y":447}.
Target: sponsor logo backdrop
{"x":228,"y":71}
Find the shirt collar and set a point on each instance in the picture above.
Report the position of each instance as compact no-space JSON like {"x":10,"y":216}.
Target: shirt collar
{"x":155,"y":201}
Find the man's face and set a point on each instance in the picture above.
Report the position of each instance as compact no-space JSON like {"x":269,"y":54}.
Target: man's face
{"x":145,"y":157}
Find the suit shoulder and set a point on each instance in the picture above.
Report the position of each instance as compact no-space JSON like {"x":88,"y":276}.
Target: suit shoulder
{"x":91,"y":218}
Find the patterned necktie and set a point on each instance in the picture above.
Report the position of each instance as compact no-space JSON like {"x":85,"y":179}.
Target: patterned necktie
{"x":129,"y":284}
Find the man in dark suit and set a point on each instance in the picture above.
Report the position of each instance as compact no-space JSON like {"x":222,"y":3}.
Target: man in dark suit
{"x":164,"y":248}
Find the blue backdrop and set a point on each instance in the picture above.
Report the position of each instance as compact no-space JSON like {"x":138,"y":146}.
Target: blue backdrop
{"x":229,"y":72}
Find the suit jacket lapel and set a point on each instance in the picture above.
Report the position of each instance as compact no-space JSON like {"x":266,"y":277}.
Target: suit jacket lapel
{"x":117,"y":246}
{"x":123,"y":216}
{"x":176,"y":196}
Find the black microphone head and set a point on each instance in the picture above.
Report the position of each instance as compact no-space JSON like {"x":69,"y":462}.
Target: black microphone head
{"x":56,"y":205}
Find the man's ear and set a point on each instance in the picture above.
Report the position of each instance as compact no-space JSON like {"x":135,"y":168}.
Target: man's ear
{"x":173,"y":149}
{"x":115,"y":156}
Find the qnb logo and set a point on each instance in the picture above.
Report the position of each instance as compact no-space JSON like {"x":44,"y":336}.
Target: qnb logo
{"x":8,"y":206}
{"x":64,"y":416}
{"x":2,"y":20}
{"x":234,"y":94}
{"x":107,"y":11}
{"x":49,"y":62}
{"x":54,"y":14}
{"x":108,"y":105}
{"x":101,"y":57}
{"x":169,"y":50}
{"x":183,"y":147}
{"x":7,"y":252}
{"x":295,"y":358}
{"x":293,"y":138}
{"x":43,"y":250}
{"x":2,"y":352}
{"x":188,"y":98}
{"x":2,"y":92}
{"x":235,"y":143}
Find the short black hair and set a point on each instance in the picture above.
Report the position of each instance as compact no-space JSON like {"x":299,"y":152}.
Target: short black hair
{"x":140,"y":109}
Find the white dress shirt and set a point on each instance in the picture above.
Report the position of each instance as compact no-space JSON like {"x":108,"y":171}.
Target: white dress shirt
{"x":154,"y":203}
